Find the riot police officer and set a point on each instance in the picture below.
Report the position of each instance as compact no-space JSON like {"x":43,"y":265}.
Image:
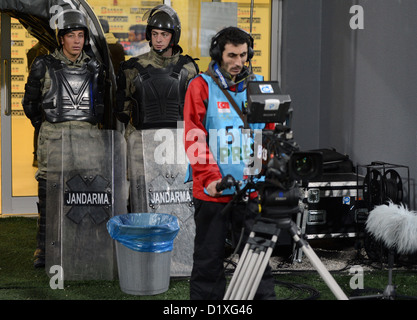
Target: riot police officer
{"x":151,"y":87}
{"x":63,"y":90}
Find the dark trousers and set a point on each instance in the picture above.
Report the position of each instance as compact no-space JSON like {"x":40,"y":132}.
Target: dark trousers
{"x":208,"y":280}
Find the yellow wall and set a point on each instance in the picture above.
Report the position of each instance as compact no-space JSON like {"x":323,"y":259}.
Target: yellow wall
{"x":121,"y":14}
{"x":24,"y":183}
{"x":189,"y":12}
{"x":130,"y":12}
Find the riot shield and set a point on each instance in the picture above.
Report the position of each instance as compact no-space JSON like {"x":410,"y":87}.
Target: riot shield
{"x":156,"y":167}
{"x":86,"y":186}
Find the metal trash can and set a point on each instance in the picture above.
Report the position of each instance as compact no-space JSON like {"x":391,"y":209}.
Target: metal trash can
{"x":144,"y":243}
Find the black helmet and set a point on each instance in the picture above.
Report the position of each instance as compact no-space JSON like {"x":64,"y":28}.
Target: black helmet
{"x":165,"y":18}
{"x":69,"y":20}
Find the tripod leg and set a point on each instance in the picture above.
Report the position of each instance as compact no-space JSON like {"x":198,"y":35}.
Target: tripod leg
{"x":237,"y":274}
{"x":250,"y":265}
{"x":389,"y":291}
{"x":260,"y":272}
{"x":255,"y":267}
{"x":318,"y":265}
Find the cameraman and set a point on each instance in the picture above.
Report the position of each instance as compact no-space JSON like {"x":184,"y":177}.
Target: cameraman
{"x":207,"y":108}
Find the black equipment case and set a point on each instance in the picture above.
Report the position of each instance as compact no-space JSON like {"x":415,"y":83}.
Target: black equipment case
{"x":333,"y":207}
{"x":333,"y":203}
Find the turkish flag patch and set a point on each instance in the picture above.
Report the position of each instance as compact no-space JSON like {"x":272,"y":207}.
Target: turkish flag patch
{"x":223,"y":107}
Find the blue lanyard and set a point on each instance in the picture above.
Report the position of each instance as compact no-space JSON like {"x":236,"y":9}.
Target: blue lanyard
{"x":223,"y":82}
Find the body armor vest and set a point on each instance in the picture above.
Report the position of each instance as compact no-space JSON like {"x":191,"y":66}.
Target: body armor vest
{"x":72,"y":93}
{"x":159,"y":94}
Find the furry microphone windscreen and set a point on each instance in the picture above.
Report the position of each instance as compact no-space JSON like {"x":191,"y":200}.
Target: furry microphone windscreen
{"x":395,"y":226}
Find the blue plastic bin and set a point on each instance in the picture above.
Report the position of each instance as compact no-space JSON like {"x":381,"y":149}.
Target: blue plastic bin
{"x":144,"y":243}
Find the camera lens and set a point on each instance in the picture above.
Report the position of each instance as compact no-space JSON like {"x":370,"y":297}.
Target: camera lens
{"x":303,"y":165}
{"x":306,"y":165}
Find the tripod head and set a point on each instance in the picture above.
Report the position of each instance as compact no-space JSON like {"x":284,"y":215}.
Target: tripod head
{"x":284,"y":169}
{"x":274,"y":202}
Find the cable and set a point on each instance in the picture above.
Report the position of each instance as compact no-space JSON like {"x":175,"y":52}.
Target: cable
{"x":314,"y":293}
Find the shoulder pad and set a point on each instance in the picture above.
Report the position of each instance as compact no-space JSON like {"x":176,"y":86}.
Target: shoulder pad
{"x":94,"y":63}
{"x":38,"y":67}
{"x":189,"y":59}
{"x":129,"y":64}
{"x":49,"y":59}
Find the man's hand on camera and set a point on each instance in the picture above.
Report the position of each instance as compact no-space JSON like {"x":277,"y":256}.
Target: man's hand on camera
{"x":211,"y":188}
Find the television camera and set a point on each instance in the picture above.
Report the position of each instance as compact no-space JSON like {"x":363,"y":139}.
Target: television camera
{"x":284,"y":168}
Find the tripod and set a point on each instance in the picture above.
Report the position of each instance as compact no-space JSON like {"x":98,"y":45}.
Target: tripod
{"x":256,"y":254}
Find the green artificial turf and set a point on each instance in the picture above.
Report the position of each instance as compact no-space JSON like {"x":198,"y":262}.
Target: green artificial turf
{"x":19,"y":280}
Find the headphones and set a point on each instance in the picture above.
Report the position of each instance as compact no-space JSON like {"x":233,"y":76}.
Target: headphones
{"x":216,"y":53}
